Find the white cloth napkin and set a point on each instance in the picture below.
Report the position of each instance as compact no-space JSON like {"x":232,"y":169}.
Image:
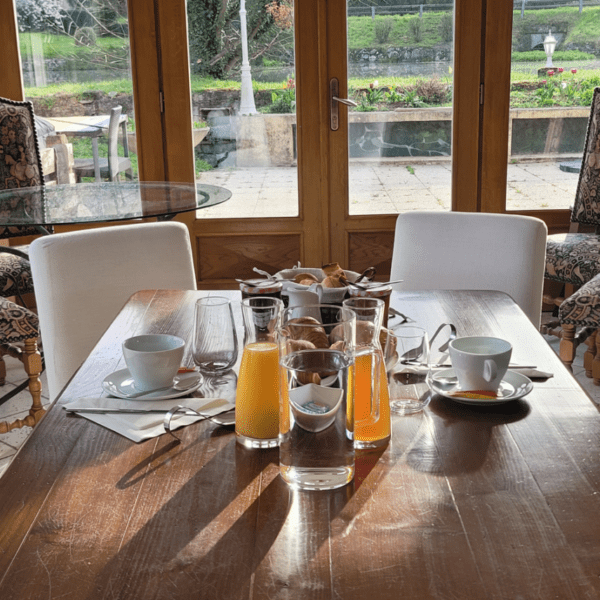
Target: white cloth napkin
{"x":139,"y":427}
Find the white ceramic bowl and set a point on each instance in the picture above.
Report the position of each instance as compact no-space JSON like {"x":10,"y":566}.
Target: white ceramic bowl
{"x":153,"y":360}
{"x":314,"y":406}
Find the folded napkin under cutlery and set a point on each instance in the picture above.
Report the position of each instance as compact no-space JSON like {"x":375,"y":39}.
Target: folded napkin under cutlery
{"x":144,"y":425}
{"x":531,"y":372}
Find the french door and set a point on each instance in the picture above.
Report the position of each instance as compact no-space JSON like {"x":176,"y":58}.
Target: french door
{"x":322,"y":226}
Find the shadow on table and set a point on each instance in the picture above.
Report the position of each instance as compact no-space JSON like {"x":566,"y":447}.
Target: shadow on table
{"x":456,"y":437}
{"x":215,"y":531}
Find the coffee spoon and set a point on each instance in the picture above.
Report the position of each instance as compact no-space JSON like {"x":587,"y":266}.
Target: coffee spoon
{"x":374,"y":285}
{"x":225,"y":419}
{"x":180,"y":384}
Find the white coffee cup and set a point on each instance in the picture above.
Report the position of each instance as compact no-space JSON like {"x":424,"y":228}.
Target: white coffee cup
{"x":153,"y":360}
{"x":480,"y":363}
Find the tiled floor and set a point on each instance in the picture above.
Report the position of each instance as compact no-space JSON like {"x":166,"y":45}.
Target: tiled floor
{"x":18,"y":406}
{"x":384,"y":188}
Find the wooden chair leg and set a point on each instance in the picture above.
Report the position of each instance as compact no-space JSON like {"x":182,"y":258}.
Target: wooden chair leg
{"x":596,"y":362}
{"x":32,"y":361}
{"x":2,"y":368}
{"x":566,"y":349}
{"x":590,"y":353}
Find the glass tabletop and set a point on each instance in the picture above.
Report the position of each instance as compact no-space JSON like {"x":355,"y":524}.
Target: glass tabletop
{"x":104,"y":202}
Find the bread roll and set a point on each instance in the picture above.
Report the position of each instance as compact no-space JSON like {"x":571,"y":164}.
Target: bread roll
{"x":364,"y":333}
{"x":300,"y":277}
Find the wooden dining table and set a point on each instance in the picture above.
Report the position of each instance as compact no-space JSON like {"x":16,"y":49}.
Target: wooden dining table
{"x":465,"y":502}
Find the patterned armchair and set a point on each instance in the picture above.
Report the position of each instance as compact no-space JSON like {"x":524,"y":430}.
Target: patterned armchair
{"x":573,"y":258}
{"x":20,"y":167}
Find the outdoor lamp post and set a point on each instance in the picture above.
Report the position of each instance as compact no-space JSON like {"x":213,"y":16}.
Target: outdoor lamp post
{"x":247,"y":106}
{"x":549,"y":45}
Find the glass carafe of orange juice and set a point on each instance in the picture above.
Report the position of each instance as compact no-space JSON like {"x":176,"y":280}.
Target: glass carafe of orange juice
{"x":372,"y":425}
{"x":257,"y":395}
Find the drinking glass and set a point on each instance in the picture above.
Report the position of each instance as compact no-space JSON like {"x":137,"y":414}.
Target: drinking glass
{"x":316,"y":429}
{"x":257,"y":395}
{"x":215,"y":345}
{"x":372,"y":427}
{"x":407,"y":359}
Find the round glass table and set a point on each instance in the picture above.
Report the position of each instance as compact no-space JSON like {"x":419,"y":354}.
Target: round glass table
{"x":45,"y":206}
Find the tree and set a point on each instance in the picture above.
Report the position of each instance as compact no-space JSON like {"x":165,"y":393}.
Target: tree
{"x":214,"y":33}
{"x":40,"y":15}
{"x":84,"y":22}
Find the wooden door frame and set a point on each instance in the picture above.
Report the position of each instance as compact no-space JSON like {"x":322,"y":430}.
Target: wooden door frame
{"x":323,"y":231}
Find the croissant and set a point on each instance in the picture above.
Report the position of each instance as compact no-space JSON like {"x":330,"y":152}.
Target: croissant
{"x":316,"y":336}
{"x":304,"y":377}
{"x":332,"y":281}
{"x":332,"y":268}
{"x":297,"y":332}
{"x":297,"y":345}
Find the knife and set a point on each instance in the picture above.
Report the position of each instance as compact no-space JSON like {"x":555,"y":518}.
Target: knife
{"x":96,"y":409}
{"x":509,"y":366}
{"x":99,"y":410}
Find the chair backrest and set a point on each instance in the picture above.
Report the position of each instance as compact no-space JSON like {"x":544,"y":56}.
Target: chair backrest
{"x":586,"y":208}
{"x":113,"y":145}
{"x":83,"y":278}
{"x":20,"y":159}
{"x":472,"y":251}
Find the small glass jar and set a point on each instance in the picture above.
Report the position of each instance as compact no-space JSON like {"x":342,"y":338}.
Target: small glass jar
{"x":261,"y":289}
{"x":382,"y":292}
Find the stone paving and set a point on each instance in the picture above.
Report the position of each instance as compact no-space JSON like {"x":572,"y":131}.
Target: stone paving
{"x":384,"y":188}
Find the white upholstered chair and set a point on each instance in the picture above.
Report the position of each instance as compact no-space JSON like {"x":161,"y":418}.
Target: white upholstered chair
{"x":472,"y":251}
{"x":82,"y":279}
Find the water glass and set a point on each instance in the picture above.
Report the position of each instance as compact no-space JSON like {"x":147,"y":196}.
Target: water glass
{"x":215,"y":345}
{"x":407,"y":359}
{"x":316,"y":428}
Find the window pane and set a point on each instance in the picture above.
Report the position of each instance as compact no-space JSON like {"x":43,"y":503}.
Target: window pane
{"x":76,"y":69}
{"x":243,"y":93}
{"x":550,"y":100}
{"x":400,"y":75}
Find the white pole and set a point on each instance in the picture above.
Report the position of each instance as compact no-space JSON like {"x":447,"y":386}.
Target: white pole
{"x":247,"y":106}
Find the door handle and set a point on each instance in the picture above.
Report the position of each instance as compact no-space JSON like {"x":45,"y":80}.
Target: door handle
{"x":334,"y":101}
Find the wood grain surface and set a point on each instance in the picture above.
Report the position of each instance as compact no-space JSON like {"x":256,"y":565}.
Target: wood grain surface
{"x":464,"y":503}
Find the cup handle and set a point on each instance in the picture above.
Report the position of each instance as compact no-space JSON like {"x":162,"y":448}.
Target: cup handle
{"x":317,"y":288}
{"x":490,"y":370}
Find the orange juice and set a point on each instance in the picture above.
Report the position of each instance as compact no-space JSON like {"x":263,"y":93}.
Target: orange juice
{"x":370,"y":430}
{"x":257,"y":396}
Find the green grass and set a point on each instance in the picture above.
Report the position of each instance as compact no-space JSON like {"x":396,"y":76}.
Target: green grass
{"x":361,"y":31}
{"x":539,"y":56}
{"x":61,"y":46}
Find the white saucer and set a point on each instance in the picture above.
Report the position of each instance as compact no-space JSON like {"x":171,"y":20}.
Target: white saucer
{"x":513,"y":386}
{"x":120,"y":384}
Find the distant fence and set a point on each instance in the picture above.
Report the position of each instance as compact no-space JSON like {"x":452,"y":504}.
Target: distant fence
{"x":419,"y":9}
